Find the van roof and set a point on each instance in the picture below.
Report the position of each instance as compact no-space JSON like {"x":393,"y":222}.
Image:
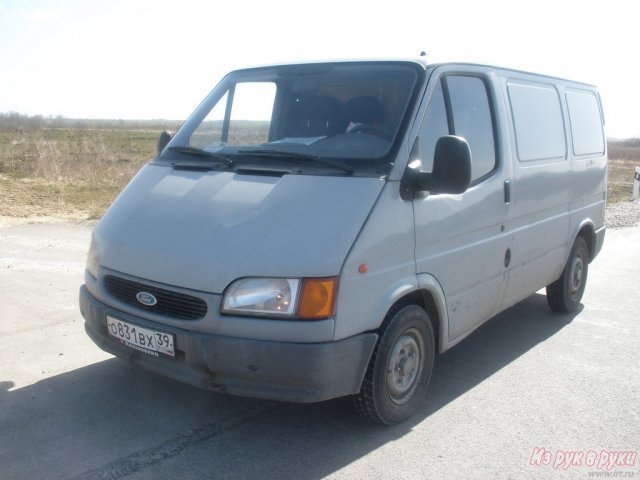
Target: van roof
{"x":510,"y":70}
{"x":418,"y":61}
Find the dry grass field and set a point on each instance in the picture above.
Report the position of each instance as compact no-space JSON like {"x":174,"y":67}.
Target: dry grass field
{"x":72,"y":172}
{"x":624,"y":156}
{"x":74,"y":169}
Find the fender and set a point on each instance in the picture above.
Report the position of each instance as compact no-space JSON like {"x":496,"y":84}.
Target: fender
{"x":398,"y":290}
{"x":594,"y":237}
{"x":430,"y":284}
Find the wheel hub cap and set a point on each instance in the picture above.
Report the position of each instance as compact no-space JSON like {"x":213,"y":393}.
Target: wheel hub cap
{"x":577,"y":269}
{"x":403,"y":367}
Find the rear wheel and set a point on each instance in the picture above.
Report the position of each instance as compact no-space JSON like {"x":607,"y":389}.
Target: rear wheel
{"x":564,"y":294}
{"x":399,"y":371}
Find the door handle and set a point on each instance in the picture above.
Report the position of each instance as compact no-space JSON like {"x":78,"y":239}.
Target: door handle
{"x":507,"y":191}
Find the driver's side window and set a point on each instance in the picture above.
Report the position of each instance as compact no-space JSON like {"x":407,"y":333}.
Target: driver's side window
{"x":459,"y":105}
{"x":433,"y":127}
{"x":242,"y":116}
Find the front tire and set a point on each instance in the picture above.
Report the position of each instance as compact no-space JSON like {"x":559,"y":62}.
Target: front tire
{"x":399,"y":371}
{"x":564,"y":294}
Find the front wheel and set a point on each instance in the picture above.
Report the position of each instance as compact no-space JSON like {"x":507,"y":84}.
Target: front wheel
{"x":399,"y":371}
{"x":564,"y":294}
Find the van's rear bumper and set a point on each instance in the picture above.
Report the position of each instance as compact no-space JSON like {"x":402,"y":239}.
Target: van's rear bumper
{"x":295,"y":372}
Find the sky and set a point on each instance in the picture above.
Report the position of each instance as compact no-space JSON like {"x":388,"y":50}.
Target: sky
{"x":149,"y":59}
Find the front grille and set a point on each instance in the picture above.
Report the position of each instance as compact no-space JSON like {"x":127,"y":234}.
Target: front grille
{"x":170,"y":304}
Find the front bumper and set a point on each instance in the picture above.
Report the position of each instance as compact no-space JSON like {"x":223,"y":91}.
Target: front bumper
{"x":295,"y":372}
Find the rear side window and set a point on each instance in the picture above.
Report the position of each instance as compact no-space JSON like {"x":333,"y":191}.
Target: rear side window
{"x":586,"y":122}
{"x":537,"y":120}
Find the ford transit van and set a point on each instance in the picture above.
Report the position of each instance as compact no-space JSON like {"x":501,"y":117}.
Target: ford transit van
{"x":325,"y":229}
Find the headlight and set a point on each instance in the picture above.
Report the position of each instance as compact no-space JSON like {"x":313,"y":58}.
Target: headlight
{"x":262,"y":296}
{"x":92,"y":260}
{"x":309,"y":298}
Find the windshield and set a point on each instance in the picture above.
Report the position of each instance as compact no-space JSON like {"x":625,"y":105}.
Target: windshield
{"x":340,"y":117}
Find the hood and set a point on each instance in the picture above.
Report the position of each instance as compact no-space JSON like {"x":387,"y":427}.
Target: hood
{"x":202,"y":230}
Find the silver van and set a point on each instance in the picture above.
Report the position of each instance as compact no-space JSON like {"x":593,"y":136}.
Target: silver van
{"x":321,"y":230}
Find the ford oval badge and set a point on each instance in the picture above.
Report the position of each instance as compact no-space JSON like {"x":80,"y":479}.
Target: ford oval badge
{"x":147,"y":299}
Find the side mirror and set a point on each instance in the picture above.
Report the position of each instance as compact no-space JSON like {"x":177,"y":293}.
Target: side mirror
{"x":451,"y":168}
{"x":165,"y":138}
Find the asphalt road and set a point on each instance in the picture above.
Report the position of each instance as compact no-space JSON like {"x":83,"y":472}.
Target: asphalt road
{"x":511,"y":401}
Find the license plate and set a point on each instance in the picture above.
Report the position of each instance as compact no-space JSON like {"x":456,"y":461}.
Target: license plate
{"x":142,"y":339}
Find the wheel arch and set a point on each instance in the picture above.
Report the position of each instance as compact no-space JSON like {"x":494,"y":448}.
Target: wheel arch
{"x":428,"y":294}
{"x":587,"y":231}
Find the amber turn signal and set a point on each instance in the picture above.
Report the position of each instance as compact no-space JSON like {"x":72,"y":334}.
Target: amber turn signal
{"x":318,"y":298}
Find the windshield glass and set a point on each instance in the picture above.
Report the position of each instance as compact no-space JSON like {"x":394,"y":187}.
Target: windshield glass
{"x":328,"y":116}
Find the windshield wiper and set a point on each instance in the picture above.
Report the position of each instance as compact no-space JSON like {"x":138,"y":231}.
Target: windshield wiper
{"x":286,"y":155}
{"x":198,"y":152}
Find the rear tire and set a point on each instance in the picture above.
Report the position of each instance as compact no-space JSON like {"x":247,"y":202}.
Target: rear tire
{"x":564,"y":294}
{"x":399,"y":372}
